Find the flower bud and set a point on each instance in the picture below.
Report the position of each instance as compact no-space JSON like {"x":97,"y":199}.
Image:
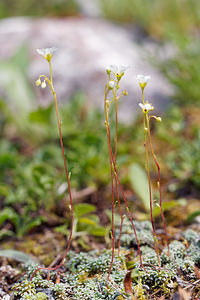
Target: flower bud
{"x":38,"y":82}
{"x":43,"y":85}
{"x":125,"y":93}
{"x":111,"y":84}
{"x":108,"y":70}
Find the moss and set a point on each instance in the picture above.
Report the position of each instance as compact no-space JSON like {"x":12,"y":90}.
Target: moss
{"x":144,"y":233}
{"x":149,"y":255}
{"x":84,"y":275}
{"x":192,"y":236}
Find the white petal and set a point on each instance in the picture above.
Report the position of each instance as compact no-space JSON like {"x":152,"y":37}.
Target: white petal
{"x":147,"y":78}
{"x":41,"y":51}
{"x":122,"y":69}
{"x":141,"y":105}
{"x":114,"y":68}
{"x":52,"y":50}
{"x":46,"y":51}
{"x":143,"y":78}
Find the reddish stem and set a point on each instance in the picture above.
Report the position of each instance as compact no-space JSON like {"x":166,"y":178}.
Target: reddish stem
{"x":113,"y":237}
{"x":116,"y":187}
{"x":151,"y":207}
{"x":150,"y":193}
{"x":125,"y":201}
{"x":120,"y":212}
{"x":70,"y":196}
{"x":160,"y":192}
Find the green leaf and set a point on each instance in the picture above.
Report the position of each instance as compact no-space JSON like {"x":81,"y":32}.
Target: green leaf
{"x":4,"y":189}
{"x":18,"y":255}
{"x":83,"y":209}
{"x":139,"y":182}
{"x":86,"y":221}
{"x":97,"y":230}
{"x":7,"y":214}
{"x":42,"y":115}
{"x":166,"y":206}
{"x":192,"y":216}
{"x":117,"y":218}
{"x":28,"y":225}
{"x":14,"y":80}
{"x":5,"y":233}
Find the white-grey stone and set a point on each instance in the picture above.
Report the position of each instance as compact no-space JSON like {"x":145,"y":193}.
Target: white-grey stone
{"x":85,"y":48}
{"x":89,"y":8}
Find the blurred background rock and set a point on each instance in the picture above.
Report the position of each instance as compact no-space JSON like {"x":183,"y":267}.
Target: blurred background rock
{"x":89,"y":36}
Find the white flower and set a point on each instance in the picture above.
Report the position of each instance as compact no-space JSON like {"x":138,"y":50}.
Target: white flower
{"x":142,"y":79}
{"x":47,"y":53}
{"x":118,"y":71}
{"x":146,"y":107}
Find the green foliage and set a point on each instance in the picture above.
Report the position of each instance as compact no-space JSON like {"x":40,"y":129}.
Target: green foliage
{"x":22,"y":223}
{"x":32,"y":173}
{"x":34,"y":177}
{"x":9,"y":8}
{"x":156,"y":17}
{"x":166,"y":206}
{"x":15,"y":84}
{"x":182,"y":68}
{"x":86,"y":222}
{"x":82,"y":209}
{"x":185,"y":164}
{"x":168,"y":20}
{"x":139,"y":182}
{"x":18,"y":256}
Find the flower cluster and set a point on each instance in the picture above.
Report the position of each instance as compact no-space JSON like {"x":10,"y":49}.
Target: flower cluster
{"x":47,"y":53}
{"x":117,"y":71}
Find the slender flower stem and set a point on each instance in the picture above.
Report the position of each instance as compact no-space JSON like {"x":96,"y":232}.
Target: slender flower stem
{"x":159,"y":183}
{"x":143,"y":96}
{"x":116,"y":186}
{"x":106,"y":110}
{"x":113,"y":204}
{"x":149,"y":183}
{"x":116,"y":128}
{"x":113,"y":165}
{"x":51,"y":74}
{"x":125,"y":201}
{"x":50,"y":83}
